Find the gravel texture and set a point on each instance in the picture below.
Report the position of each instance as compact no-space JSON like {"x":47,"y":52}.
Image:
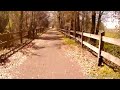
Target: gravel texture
{"x":88,"y":62}
{"x":49,"y":58}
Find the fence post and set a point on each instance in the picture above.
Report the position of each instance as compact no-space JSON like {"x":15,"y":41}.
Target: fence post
{"x":75,"y":29}
{"x":69,"y":32}
{"x":82,"y":39}
{"x":21,"y":36}
{"x":101,"y":44}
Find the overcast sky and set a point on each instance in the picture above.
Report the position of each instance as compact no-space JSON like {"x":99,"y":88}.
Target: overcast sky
{"x":109,"y":21}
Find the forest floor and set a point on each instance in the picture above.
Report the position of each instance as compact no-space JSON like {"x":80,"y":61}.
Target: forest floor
{"x":49,"y":57}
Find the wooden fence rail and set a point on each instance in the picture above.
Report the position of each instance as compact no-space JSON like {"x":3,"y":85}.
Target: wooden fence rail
{"x":22,"y":35}
{"x":99,"y":50}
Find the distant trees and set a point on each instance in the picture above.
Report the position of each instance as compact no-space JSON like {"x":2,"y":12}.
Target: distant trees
{"x":4,"y":18}
{"x":15,"y":19}
{"x":87,"y":21}
{"x":21,"y":21}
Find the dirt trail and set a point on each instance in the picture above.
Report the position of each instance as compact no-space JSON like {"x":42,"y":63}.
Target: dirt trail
{"x":48,"y":61}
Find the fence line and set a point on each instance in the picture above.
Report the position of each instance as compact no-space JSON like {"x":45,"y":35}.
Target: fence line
{"x":21,"y":36}
{"x":99,"y":50}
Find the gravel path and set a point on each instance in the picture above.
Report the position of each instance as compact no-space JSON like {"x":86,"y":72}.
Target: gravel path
{"x":44,"y":59}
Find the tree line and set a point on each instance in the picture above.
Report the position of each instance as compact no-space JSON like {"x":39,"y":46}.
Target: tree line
{"x":24,"y":22}
{"x":83,"y":21}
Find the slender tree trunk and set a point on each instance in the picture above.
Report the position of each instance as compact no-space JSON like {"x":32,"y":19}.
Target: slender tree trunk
{"x":77,"y":21}
{"x":83,"y":22}
{"x":98,"y":22}
{"x":20,"y":27}
{"x":92,"y":41}
{"x":93,"y":22}
{"x":74,"y":26}
{"x":58,"y":20}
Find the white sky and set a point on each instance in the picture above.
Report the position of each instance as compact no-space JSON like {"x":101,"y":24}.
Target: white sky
{"x":111,"y":24}
{"x":109,"y":21}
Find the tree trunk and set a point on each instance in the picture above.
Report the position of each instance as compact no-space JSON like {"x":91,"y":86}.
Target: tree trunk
{"x":20,"y":27}
{"x":74,"y":26}
{"x":99,"y":22}
{"x":92,"y":41}
{"x":77,"y":21}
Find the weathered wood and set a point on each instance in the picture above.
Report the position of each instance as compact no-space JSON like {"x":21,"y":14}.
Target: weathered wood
{"x":101,"y":44}
{"x":80,"y":33}
{"x":78,"y":39}
{"x":110,"y":57}
{"x":74,"y":25}
{"x":104,"y":38}
{"x":72,"y":31}
{"x":91,"y":35}
{"x":95,"y":49}
{"x":111,"y":40}
{"x":63,"y":30}
{"x":82,"y":39}
{"x":12,"y":40}
{"x":72,"y":36}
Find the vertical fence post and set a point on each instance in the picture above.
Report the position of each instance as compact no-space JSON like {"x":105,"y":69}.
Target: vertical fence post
{"x":21,"y":37}
{"x":33,"y":33}
{"x":36,"y":31}
{"x":75,"y":29}
{"x":40,"y":30}
{"x":69,"y":32}
{"x":82,"y":39}
{"x":101,"y":44}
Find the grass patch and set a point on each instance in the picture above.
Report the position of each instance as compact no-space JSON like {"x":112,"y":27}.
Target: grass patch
{"x":107,"y":72}
{"x":112,"y":34}
{"x":69,"y":41}
{"x":112,"y":49}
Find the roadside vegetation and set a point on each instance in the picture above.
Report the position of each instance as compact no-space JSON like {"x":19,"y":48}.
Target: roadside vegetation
{"x":89,"y":65}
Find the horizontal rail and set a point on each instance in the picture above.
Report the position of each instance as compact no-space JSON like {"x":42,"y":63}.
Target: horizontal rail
{"x":91,"y":36}
{"x":12,"y":40}
{"x":110,"y":57}
{"x":72,"y":31}
{"x":12,"y":33}
{"x":88,"y":45}
{"x":111,"y":40}
{"x":104,"y":54}
{"x":104,"y":38}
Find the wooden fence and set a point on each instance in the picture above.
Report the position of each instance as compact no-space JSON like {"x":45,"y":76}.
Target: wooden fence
{"x":20,"y":37}
{"x":100,"y":53}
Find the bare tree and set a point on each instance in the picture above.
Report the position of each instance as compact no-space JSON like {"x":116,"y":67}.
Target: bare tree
{"x":99,"y":22}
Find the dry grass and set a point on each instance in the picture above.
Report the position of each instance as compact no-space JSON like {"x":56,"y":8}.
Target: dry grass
{"x":69,"y":41}
{"x":88,"y":62}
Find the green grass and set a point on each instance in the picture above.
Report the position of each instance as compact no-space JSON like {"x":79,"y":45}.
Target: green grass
{"x":112,"y":49}
{"x":112,"y":34}
{"x":107,"y":72}
{"x":69,"y":41}
{"x":104,"y":71}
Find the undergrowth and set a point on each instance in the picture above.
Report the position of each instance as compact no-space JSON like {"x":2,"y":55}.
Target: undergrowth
{"x":69,"y":41}
{"x":104,"y":72}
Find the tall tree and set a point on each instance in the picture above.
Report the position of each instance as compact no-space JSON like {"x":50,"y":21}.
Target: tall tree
{"x":99,"y":22}
{"x":92,"y":41}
